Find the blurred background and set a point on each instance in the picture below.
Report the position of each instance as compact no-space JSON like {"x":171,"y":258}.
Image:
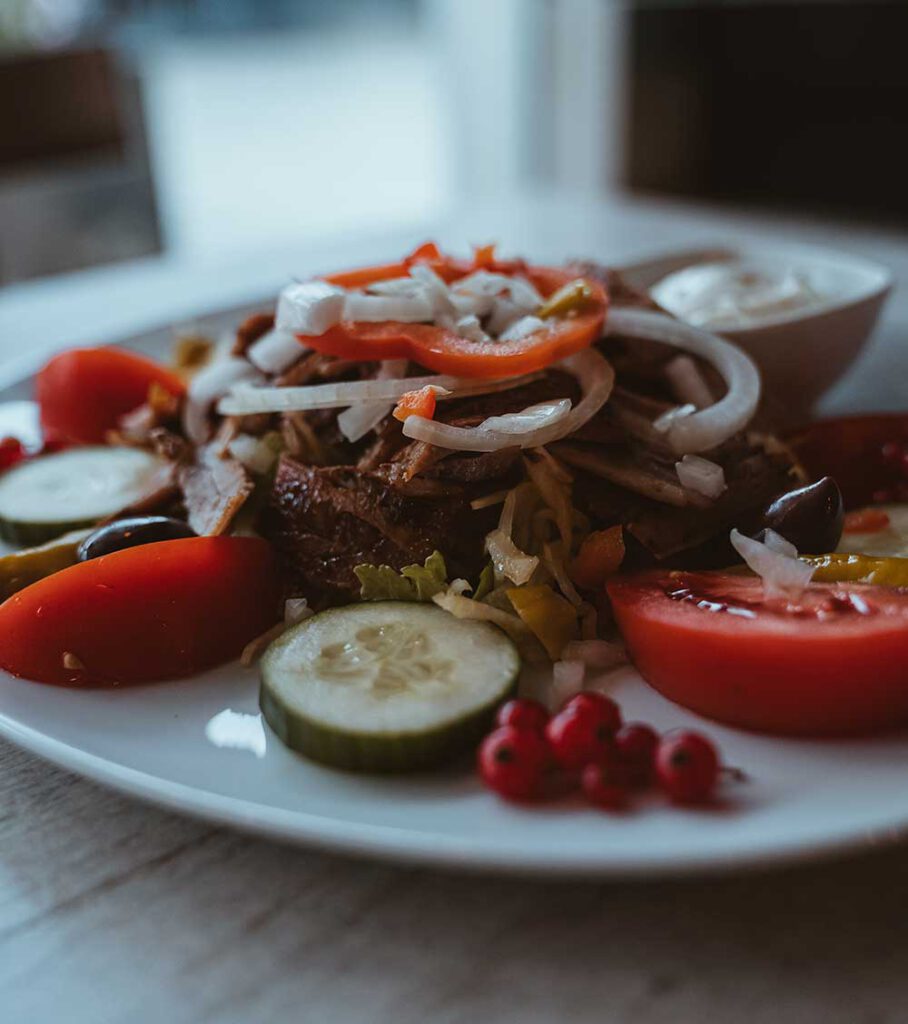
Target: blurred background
{"x":199,"y":128}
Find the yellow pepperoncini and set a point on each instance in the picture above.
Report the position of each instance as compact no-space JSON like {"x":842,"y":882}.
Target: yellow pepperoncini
{"x":552,"y":618}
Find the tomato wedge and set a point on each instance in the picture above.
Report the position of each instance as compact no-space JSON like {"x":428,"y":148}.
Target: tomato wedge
{"x":160,"y":611}
{"x":833,"y":664}
{"x":867,"y":456}
{"x":83,"y":393}
{"x":444,"y":351}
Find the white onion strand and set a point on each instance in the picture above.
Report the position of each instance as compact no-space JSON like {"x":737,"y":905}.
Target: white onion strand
{"x":596,"y":378}
{"x":709,"y":427}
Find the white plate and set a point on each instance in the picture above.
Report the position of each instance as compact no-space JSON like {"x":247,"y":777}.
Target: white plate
{"x":156,"y":742}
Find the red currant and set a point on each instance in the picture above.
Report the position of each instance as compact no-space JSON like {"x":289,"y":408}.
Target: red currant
{"x":687,"y":766}
{"x":590,"y":702}
{"x":513,"y":762}
{"x":635,"y":746}
{"x":604,"y":785}
{"x":523,"y":714}
{"x":11,"y":452}
{"x":583,"y":731}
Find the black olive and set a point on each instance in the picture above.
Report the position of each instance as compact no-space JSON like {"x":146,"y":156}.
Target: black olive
{"x":810,"y":517}
{"x":130,"y":533}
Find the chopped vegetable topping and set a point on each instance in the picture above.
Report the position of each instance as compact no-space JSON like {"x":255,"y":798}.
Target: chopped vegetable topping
{"x":551,"y":617}
{"x":412,"y":583}
{"x":866,"y":520}
{"x":416,"y":403}
{"x":599,"y":557}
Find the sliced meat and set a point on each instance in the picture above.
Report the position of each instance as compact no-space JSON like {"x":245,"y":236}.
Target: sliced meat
{"x":214,"y":490}
{"x":326,"y":520}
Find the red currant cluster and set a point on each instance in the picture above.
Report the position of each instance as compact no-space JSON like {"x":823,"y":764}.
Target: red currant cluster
{"x":894,"y":455}
{"x":11,"y":452}
{"x":531,"y":755}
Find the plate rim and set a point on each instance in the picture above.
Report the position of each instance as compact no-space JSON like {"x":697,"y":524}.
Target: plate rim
{"x":418,"y":847}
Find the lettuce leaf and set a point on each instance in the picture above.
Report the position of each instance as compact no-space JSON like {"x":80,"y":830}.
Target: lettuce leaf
{"x":412,"y":583}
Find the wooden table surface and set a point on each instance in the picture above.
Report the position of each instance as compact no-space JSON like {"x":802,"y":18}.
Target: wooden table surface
{"x":113,"y":911}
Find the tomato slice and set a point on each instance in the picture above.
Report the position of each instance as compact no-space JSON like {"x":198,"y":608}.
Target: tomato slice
{"x":160,"y":611}
{"x":83,"y":393}
{"x":444,"y":351}
{"x":865,"y":455}
{"x":831,"y":664}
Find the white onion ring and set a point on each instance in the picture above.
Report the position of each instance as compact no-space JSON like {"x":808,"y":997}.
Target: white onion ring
{"x":708,"y":428}
{"x":596,"y":377}
{"x":248,"y":400}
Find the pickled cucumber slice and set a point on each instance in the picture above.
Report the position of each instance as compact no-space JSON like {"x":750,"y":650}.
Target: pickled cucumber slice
{"x":388,"y":686}
{"x":48,"y":496}
{"x":22,"y":568}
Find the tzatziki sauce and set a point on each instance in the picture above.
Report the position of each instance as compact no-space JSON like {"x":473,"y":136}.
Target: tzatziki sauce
{"x":735,"y":293}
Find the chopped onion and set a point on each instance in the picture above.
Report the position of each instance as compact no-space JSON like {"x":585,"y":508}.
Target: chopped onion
{"x":470,"y":328}
{"x":707,"y":428}
{"x":701,"y":475}
{"x":596,"y":377}
{"x":776,"y":542}
{"x":596,"y":654}
{"x":523,"y":328}
{"x":485,"y":283}
{"x":406,"y":309}
{"x":688,"y":383}
{"x":296,"y":609}
{"x":664,"y":423}
{"x":206,"y":387}
{"x":395,"y":286}
{"x":434,"y":289}
{"x":255,"y":453}
{"x":783,"y":575}
{"x":504,"y":312}
{"x":275,"y":351}
{"x":355,"y":422}
{"x":567,"y":681}
{"x":247,"y":400}
{"x":508,"y":560}
{"x":309,"y":307}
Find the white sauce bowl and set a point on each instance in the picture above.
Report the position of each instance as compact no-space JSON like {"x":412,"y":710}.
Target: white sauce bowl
{"x":801,"y":353}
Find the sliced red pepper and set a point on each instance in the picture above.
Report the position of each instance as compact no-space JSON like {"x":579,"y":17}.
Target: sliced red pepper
{"x":866,"y":520}
{"x":444,"y":351}
{"x":599,"y":557}
{"x":416,"y":403}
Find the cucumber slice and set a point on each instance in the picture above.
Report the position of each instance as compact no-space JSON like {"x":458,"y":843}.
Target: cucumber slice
{"x":20,"y":569}
{"x":387,"y":686}
{"x":50,"y":495}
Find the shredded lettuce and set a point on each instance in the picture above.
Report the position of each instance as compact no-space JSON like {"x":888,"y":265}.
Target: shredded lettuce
{"x":486,"y":582}
{"x":412,"y":583}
